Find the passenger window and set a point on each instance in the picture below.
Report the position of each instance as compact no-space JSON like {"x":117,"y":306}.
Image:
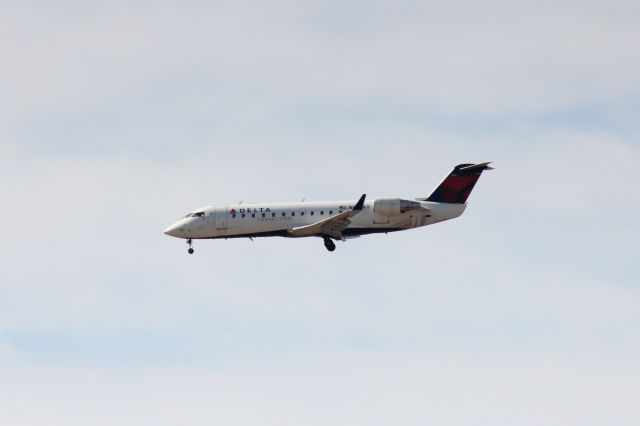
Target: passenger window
{"x":330,"y":211}
{"x":233,"y":216}
{"x":273,"y":215}
{"x":283,"y":214}
{"x":322,"y":212}
{"x":262,"y":214}
{"x":242,"y":214}
{"x":253,"y":215}
{"x":293,"y":213}
{"x":301,"y":213}
{"x":312,"y":213}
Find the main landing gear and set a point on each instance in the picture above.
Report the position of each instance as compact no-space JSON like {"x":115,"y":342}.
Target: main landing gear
{"x":330,"y":245}
{"x":190,"y":251}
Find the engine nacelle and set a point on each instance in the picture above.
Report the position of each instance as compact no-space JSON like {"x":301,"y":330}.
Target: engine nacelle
{"x":393,"y":206}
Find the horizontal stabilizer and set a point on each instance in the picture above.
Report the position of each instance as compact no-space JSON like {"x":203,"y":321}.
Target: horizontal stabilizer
{"x":477,"y":168}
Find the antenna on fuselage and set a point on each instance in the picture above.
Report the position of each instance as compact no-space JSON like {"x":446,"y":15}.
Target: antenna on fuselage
{"x":302,"y":201}
{"x":240,"y":202}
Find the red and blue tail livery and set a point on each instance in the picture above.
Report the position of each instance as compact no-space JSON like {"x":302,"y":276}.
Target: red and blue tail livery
{"x":456,"y":187}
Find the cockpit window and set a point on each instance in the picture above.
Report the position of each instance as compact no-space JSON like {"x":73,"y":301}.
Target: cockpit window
{"x":198,"y":214}
{"x":189,"y":215}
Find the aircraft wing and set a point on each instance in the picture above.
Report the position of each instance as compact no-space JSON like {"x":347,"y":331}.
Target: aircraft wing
{"x":331,"y":226}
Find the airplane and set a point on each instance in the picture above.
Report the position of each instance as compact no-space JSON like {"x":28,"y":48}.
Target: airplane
{"x":331,"y":220}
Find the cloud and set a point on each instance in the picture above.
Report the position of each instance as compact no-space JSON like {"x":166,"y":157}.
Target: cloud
{"x":117,"y":119}
{"x":141,"y":64}
{"x":340,"y":389}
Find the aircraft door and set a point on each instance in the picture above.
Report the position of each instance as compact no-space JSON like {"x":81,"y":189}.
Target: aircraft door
{"x":221,"y":217}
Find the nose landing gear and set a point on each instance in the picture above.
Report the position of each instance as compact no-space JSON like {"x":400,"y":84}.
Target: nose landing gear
{"x":330,"y":245}
{"x":190,"y":251}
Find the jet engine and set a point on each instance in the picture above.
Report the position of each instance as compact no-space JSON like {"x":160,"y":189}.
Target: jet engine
{"x":393,"y":206}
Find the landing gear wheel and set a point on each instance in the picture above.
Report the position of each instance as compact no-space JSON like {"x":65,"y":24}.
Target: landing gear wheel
{"x":330,"y":245}
{"x":190,"y":251}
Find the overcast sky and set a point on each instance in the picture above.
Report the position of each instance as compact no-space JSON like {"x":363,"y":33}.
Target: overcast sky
{"x":117,"y":118}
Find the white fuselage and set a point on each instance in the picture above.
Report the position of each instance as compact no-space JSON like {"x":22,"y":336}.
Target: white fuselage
{"x":275,"y":219}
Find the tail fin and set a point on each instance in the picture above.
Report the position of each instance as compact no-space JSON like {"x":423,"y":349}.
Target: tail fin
{"x":456,"y":187}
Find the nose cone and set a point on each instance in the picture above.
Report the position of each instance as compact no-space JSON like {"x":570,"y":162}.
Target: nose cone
{"x":174,"y":230}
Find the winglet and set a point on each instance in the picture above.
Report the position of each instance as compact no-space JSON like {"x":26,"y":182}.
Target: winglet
{"x":360,"y":203}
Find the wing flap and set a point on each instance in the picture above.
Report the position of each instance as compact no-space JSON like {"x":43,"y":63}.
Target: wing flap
{"x":331,"y":226}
